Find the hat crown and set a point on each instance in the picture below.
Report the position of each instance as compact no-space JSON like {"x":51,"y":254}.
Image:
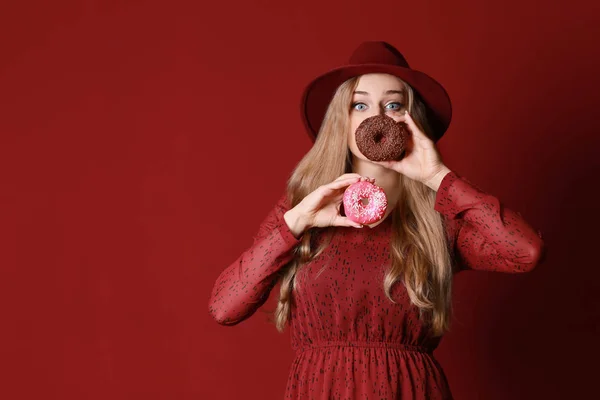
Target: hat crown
{"x":378,"y":52}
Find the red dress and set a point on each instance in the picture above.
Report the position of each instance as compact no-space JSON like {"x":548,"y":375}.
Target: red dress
{"x":351,"y":341}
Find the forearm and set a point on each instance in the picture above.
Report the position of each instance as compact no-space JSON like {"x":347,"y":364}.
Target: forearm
{"x":435,"y":182}
{"x":245,"y":284}
{"x":488,"y":235}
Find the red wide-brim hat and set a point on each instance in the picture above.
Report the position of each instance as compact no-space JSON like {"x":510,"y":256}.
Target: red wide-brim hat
{"x":375,"y":57}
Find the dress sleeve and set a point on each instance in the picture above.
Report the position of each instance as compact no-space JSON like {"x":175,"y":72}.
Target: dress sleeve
{"x":245,"y":285}
{"x":486,"y":235}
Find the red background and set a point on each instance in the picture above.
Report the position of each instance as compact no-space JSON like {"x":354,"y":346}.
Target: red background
{"x":131,"y":132}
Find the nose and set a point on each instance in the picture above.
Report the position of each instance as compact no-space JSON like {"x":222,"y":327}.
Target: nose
{"x":378,"y":111}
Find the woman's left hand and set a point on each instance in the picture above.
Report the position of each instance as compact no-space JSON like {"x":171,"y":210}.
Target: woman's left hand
{"x":422,"y":160}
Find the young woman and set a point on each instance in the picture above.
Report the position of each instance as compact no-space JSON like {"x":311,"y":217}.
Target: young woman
{"x":368,"y":305}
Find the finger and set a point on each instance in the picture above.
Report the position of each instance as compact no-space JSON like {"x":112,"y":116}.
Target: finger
{"x":345,"y":221}
{"x":367,"y":179}
{"x":410,"y":122}
{"x":338,"y":198}
{"x":413,"y":126}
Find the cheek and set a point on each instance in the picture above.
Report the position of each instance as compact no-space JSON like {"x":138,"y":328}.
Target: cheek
{"x":351,"y":136}
{"x":352,"y":142}
{"x":354,"y":123}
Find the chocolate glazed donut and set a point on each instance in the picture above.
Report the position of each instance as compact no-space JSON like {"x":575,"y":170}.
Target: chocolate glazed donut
{"x":381,"y":138}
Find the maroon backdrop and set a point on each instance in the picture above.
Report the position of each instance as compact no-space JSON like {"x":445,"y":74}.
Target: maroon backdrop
{"x":132,"y":143}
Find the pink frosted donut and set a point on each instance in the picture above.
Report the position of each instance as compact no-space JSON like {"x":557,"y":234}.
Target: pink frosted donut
{"x":356,"y":210}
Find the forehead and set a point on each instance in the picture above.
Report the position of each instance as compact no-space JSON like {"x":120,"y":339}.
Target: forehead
{"x":379,"y":83}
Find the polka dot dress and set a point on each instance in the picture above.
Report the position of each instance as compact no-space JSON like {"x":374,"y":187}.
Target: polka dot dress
{"x":350,"y":341}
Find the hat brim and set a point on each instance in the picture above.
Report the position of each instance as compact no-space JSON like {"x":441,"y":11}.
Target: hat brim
{"x":318,"y":94}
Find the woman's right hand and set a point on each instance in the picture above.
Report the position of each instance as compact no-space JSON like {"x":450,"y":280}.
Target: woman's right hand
{"x":321,"y":207}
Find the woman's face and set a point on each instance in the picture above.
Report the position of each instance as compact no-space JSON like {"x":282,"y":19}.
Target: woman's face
{"x":375,"y":94}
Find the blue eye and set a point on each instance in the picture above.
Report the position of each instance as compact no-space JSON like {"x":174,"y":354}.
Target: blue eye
{"x":355,"y":104}
{"x":399,"y":106}
{"x":395,"y":102}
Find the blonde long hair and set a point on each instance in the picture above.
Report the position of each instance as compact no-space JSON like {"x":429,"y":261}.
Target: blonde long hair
{"x":419,"y":246}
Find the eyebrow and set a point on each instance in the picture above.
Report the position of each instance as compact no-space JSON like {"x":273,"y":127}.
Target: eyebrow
{"x":401,"y":92}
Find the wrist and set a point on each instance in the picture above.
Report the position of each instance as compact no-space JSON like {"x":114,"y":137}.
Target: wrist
{"x":295,"y":222}
{"x":435,"y":181}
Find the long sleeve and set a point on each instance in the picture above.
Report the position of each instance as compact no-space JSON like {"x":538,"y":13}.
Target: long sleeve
{"x":245,"y":285}
{"x":486,"y":235}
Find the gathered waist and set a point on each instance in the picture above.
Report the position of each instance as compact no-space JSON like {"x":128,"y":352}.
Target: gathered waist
{"x":365,"y":344}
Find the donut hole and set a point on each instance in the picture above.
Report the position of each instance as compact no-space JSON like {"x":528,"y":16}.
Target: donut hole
{"x":379,"y":138}
{"x":364,"y":201}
